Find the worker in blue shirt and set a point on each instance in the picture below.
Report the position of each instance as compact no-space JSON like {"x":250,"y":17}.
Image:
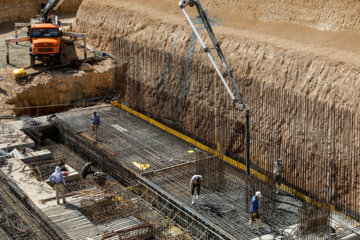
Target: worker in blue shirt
{"x":95,"y":122}
{"x":58,"y":179}
{"x":254,"y":210}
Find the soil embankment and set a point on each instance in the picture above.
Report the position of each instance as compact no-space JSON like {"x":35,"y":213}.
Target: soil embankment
{"x":19,"y":10}
{"x":51,"y":92}
{"x":320,"y":64}
{"x":320,"y":14}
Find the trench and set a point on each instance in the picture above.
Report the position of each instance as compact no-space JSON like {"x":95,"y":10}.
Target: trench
{"x":59,"y":91}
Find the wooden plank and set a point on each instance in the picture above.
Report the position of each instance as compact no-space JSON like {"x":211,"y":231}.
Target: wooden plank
{"x":98,"y":145}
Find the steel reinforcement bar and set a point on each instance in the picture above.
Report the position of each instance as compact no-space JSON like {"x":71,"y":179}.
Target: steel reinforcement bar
{"x":183,"y":216}
{"x":39,"y":218}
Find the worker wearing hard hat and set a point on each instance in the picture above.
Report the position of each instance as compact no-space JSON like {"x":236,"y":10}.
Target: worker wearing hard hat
{"x":254,"y":210}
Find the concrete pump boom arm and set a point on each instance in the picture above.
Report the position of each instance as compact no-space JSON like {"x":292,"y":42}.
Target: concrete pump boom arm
{"x":238,"y":100}
{"x":51,"y":5}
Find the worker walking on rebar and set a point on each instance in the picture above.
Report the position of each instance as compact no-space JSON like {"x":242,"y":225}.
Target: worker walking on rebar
{"x":58,"y":179}
{"x":254,"y":210}
{"x":86,"y":170}
{"x":95,"y":122}
{"x":195,"y":182}
{"x":278,"y":167}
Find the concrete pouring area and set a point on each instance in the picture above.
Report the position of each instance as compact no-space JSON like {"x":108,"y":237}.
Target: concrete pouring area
{"x":254,"y":96}
{"x":147,"y":188}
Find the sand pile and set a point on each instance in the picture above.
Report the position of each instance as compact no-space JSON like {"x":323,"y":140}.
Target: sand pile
{"x":19,"y":10}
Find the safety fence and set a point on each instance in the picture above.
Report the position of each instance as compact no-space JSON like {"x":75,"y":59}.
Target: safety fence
{"x":319,"y":143}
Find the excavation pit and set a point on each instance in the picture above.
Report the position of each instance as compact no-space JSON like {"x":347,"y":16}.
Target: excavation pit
{"x":126,"y":143}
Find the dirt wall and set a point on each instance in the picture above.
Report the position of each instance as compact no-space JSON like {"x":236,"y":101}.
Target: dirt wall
{"x":321,"y":77}
{"x":321,"y":14}
{"x":19,"y":10}
{"x":279,"y":72}
{"x":61,"y":92}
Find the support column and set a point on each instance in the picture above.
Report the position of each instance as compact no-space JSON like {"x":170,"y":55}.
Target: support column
{"x":248,"y":141}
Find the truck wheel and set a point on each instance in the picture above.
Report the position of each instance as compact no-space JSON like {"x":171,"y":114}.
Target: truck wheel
{"x":58,"y":59}
{"x":32,"y":60}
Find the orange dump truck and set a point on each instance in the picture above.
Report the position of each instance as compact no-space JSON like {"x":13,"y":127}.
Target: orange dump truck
{"x":45,"y":39}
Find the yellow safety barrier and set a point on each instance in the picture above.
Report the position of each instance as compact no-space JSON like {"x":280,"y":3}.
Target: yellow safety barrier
{"x":142,"y":167}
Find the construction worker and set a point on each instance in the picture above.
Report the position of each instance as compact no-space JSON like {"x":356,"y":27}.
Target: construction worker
{"x":254,"y":210}
{"x":87,"y":170}
{"x":195,"y":182}
{"x":278,"y":167}
{"x":95,"y":122}
{"x":100,"y":178}
{"x":58,"y":179}
{"x":63,"y":168}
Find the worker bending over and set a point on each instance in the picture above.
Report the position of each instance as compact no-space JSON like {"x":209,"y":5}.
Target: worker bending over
{"x":254,"y":210}
{"x":87,"y":170}
{"x":58,"y":179}
{"x":195,"y":182}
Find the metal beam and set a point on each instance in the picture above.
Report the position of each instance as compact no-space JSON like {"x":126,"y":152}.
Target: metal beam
{"x":16,"y":40}
{"x":77,"y":35}
{"x":197,"y":223}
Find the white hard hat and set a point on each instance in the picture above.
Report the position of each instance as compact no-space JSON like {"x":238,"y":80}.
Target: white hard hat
{"x":258,"y":194}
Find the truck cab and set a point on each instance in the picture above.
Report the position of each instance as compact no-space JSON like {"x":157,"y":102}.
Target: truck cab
{"x":45,"y":39}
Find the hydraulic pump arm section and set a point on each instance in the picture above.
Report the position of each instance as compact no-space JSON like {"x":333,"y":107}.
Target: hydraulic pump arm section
{"x":238,"y":100}
{"x":46,"y":8}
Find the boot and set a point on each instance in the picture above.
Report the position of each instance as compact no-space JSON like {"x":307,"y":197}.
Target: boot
{"x":259,"y":223}
{"x":196,"y":197}
{"x":251,"y":223}
{"x":192,"y":200}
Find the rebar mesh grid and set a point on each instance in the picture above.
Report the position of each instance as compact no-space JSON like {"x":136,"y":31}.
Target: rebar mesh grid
{"x":309,"y":135}
{"x":21,"y":219}
{"x":181,"y":237}
{"x":227,"y":204}
{"x":42,"y":170}
{"x":64,"y":153}
{"x":12,"y":223}
{"x":153,"y":146}
{"x":81,"y":185}
{"x":112,"y":201}
{"x":144,"y":231}
{"x":108,"y":203}
{"x":314,"y":221}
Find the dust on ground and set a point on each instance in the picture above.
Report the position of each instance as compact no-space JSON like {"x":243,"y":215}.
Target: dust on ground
{"x":339,"y":46}
{"x":10,"y":90}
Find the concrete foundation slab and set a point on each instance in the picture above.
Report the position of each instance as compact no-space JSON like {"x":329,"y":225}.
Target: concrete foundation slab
{"x":29,"y":156}
{"x":11,"y":137}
